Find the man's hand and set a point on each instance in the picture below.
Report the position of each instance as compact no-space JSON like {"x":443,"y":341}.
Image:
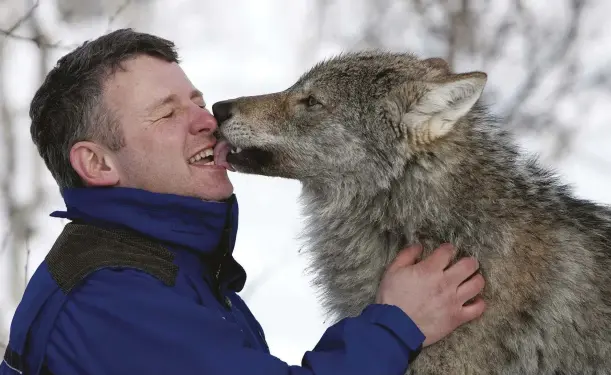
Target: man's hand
{"x":431,"y":295}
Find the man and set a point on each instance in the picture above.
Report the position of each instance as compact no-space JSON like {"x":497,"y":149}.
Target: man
{"x":143,"y":281}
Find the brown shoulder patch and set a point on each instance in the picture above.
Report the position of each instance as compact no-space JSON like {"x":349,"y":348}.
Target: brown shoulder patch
{"x":82,"y":249}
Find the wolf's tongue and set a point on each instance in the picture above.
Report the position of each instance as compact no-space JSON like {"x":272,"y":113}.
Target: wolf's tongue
{"x":221,"y":149}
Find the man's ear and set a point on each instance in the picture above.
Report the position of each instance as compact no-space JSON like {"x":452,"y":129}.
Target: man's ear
{"x":94,"y":164}
{"x":429,"y":110}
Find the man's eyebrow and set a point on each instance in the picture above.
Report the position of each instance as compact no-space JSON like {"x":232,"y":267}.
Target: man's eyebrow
{"x":173,"y":97}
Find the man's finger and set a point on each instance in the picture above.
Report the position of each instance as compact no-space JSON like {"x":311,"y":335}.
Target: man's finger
{"x":470,"y":288}
{"x":440,"y":258}
{"x":406,"y":257}
{"x":473,"y":310}
{"x":461,"y":270}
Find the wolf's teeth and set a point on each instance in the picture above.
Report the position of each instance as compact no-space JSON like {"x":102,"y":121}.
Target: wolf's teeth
{"x":236,"y":150}
{"x":209,"y":163}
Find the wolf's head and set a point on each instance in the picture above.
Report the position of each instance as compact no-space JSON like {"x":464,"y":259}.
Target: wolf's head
{"x":363,"y":115}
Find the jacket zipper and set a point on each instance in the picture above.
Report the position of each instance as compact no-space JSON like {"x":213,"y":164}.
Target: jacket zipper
{"x":225,"y":243}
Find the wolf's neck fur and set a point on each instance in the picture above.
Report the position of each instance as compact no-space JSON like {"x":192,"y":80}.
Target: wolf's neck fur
{"x":464,"y":192}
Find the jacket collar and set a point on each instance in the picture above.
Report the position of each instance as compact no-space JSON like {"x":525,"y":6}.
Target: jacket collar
{"x":205,"y":228}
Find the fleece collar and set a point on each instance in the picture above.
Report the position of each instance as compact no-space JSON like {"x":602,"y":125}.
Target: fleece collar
{"x":205,"y":228}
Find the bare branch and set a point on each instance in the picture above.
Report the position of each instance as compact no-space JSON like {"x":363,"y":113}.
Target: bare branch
{"x":26,"y":265}
{"x":26,"y":16}
{"x":548,"y":50}
{"x":501,"y":34}
{"x":39,"y":195}
{"x":424,"y":10}
{"x":5,"y":240}
{"x":6,"y":119}
{"x":541,"y":68}
{"x":38,"y":42}
{"x":37,"y":39}
{"x":459,"y":33}
{"x":19,"y":214}
{"x":114,"y":16}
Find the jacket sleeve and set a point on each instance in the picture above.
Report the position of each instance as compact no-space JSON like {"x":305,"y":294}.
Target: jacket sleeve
{"x":132,"y":324}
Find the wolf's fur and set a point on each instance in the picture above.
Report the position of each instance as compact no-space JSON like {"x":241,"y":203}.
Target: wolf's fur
{"x":400,"y":150}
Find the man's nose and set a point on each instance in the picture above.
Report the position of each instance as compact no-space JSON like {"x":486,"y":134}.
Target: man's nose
{"x":223,"y":110}
{"x":205,"y":123}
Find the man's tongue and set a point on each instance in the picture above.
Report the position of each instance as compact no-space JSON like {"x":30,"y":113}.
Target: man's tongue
{"x":221,"y":149}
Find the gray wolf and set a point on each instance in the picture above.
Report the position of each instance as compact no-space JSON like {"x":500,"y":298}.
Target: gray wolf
{"x":392,"y":149}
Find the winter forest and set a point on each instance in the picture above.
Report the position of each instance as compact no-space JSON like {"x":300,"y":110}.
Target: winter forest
{"x":549,"y":77}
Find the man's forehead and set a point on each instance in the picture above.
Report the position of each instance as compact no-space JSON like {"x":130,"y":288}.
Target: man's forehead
{"x":149,"y":83}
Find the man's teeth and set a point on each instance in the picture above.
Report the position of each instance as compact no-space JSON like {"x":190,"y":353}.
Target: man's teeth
{"x":201,"y":155}
{"x":236,"y":150}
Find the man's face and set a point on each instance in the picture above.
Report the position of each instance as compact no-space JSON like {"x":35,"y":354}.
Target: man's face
{"x":167,"y":131}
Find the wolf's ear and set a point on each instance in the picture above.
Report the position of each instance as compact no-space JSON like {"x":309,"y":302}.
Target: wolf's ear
{"x":429,"y":110}
{"x":439,"y":64}
{"x":446,"y":102}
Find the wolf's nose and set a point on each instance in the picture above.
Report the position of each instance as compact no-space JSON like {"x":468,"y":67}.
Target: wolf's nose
{"x":222,"y":110}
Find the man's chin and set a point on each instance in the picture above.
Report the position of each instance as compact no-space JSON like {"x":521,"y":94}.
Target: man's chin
{"x":214,"y":196}
{"x":210,"y":187}
{"x":218,"y":193}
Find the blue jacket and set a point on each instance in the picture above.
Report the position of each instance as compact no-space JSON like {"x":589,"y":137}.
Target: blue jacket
{"x":123,"y":321}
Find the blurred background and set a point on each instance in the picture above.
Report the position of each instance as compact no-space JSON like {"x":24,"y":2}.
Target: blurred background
{"x":549,"y":76}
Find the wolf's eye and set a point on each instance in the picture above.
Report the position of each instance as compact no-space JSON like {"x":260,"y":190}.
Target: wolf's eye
{"x":311,"y":101}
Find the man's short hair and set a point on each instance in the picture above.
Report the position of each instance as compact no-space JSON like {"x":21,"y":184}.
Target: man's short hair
{"x":69,"y":107}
